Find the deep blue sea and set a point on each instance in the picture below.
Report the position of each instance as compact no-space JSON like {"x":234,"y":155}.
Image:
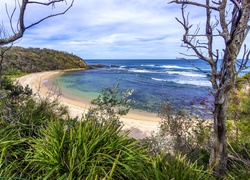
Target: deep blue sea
{"x":154,"y":82}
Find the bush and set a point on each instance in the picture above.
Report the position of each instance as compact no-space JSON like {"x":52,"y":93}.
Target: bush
{"x":110,"y":105}
{"x":178,"y":167}
{"x":181,"y":132}
{"x":12,"y":153}
{"x":39,"y":141}
{"x":85,"y":150}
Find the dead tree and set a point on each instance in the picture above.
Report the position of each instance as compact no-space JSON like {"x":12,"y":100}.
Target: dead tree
{"x":228,"y":21}
{"x":19,"y":26}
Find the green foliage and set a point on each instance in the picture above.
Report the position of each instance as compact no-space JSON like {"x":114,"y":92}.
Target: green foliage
{"x":238,"y":127}
{"x":21,"y":118}
{"x":86,"y":149}
{"x":181,"y":132}
{"x":20,"y":60}
{"x":110,"y":105}
{"x":241,"y":81}
{"x":178,"y":167}
{"x":239,"y":121}
{"x":36,"y":142}
{"x":238,"y":170}
{"x":19,"y":108}
{"x":12,"y":152}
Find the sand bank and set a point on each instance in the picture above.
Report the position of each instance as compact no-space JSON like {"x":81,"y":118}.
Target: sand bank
{"x":141,"y":124}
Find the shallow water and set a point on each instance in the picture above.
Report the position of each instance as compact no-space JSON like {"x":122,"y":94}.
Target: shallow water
{"x":154,"y":82}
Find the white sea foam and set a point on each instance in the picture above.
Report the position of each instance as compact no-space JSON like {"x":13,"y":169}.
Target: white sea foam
{"x":165,"y":66}
{"x":148,"y":65}
{"x":185,"y":73}
{"x":140,"y":71}
{"x":172,"y":67}
{"x":157,"y":79}
{"x":194,"y":82}
{"x":190,"y":82}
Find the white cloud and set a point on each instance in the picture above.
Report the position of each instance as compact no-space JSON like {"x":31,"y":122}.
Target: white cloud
{"x":111,"y":29}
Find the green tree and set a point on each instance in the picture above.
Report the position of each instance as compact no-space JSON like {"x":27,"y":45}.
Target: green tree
{"x":111,"y":104}
{"x":226,"y":21}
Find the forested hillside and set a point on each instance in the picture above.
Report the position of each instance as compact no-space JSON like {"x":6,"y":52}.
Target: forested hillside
{"x":30,"y":60}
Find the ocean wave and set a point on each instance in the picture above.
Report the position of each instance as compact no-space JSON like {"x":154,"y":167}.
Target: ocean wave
{"x":157,"y":79}
{"x":185,"y":73}
{"x":188,"y":82}
{"x":193,"y":82}
{"x":148,"y":65}
{"x":140,"y":70}
{"x":167,"y":66}
{"x":172,"y":67}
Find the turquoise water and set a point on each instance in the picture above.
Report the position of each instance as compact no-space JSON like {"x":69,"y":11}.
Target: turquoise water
{"x":154,"y":81}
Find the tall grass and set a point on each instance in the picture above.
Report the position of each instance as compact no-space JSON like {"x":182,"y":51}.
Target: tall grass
{"x":12,"y":153}
{"x":85,"y":150}
{"x":170,"y":167}
{"x":38,"y":142}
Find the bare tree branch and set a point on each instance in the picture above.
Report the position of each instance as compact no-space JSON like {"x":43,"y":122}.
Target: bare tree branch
{"x":21,"y":28}
{"x":52,"y":15}
{"x":193,"y":3}
{"x":46,"y":4}
{"x":233,"y":30}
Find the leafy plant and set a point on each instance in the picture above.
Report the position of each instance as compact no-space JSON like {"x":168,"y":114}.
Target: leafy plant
{"x":85,"y":150}
{"x":170,"y":167}
{"x":179,"y":131}
{"x":110,"y":105}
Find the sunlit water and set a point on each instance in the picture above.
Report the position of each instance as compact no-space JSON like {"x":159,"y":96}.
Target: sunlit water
{"x":154,"y":82}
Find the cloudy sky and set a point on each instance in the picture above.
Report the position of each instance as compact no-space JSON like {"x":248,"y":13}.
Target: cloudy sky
{"x":109,"y":29}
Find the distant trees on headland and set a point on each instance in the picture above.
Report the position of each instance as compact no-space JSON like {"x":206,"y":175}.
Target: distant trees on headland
{"x":29,"y":60}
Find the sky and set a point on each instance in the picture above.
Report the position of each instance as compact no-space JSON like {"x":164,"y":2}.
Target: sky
{"x":108,"y":29}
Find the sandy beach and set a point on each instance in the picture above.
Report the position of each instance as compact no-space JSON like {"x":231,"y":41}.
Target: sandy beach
{"x":140,"y":124}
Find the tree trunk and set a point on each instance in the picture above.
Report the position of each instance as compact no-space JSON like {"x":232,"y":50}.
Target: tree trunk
{"x":218,"y":155}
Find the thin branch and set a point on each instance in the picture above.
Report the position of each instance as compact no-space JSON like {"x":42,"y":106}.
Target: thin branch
{"x":52,"y":15}
{"x":46,"y":4}
{"x":21,"y":26}
{"x":184,"y":2}
{"x":11,"y":16}
{"x":242,"y":64}
{"x":187,"y":27}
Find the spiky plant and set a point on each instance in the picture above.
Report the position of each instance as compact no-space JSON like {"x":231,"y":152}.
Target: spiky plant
{"x":86,"y":149}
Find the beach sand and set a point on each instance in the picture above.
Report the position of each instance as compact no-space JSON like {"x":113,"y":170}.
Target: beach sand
{"x":140,"y":124}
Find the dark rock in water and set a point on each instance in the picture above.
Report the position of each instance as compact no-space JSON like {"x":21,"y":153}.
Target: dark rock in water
{"x":115,"y":66}
{"x":202,"y":103}
{"x":94,"y":66}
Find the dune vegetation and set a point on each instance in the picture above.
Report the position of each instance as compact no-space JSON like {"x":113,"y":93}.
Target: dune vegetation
{"x":38,"y":140}
{"x":19,"y":60}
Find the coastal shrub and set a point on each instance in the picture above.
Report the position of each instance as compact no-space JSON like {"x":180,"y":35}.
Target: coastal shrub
{"x":37,"y":142}
{"x":20,"y":60}
{"x":85,"y":150}
{"x":238,"y":169}
{"x":13,"y":97}
{"x":21,"y":117}
{"x":110,"y":105}
{"x":238,"y":124}
{"x":12,"y":153}
{"x":178,"y":167}
{"x":181,"y":132}
{"x":19,"y":108}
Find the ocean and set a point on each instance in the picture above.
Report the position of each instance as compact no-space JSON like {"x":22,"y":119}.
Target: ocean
{"x":154,"y":82}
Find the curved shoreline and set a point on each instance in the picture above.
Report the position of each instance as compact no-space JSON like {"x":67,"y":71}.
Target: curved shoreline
{"x":141,"y":124}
